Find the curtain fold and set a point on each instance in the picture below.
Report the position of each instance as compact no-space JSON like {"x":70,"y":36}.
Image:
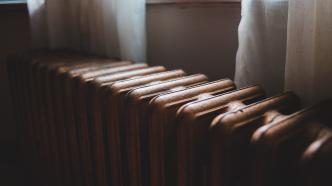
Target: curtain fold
{"x":286,"y":45}
{"x":262,"y":41}
{"x":309,"y":49}
{"x":115,"y":28}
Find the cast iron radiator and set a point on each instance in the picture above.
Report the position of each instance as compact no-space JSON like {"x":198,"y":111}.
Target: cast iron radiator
{"x":86,"y":120}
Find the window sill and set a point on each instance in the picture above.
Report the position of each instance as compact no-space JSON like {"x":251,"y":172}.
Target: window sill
{"x":9,"y":6}
{"x":158,"y":2}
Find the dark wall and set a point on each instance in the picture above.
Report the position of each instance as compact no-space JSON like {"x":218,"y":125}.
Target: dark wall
{"x":200,"y":38}
{"x":197,"y":38}
{"x":14,"y":36}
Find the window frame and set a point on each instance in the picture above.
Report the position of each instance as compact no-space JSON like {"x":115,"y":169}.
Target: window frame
{"x":190,"y":1}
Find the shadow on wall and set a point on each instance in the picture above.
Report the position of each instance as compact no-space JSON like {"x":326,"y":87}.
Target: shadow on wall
{"x":14,"y":36}
{"x":197,"y":38}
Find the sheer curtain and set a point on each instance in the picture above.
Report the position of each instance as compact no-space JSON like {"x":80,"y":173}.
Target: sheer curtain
{"x":112,"y":27}
{"x":286,"y":45}
{"x":262,"y":41}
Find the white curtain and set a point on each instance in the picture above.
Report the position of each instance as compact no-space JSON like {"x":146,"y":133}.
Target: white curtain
{"x":286,"y":45}
{"x":112,"y":27}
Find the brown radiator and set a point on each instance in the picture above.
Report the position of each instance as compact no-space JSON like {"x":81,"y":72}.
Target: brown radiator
{"x":85,"y":120}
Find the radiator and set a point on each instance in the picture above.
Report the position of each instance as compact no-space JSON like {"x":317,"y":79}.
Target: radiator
{"x":86,"y":120}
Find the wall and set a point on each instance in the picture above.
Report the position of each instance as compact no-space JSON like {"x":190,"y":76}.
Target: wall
{"x":198,"y":38}
{"x":14,"y":36}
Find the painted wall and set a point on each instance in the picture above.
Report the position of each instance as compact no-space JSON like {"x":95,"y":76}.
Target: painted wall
{"x":14,"y":36}
{"x":197,"y":38}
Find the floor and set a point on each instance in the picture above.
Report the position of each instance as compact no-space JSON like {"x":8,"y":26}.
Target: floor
{"x":13,"y":171}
